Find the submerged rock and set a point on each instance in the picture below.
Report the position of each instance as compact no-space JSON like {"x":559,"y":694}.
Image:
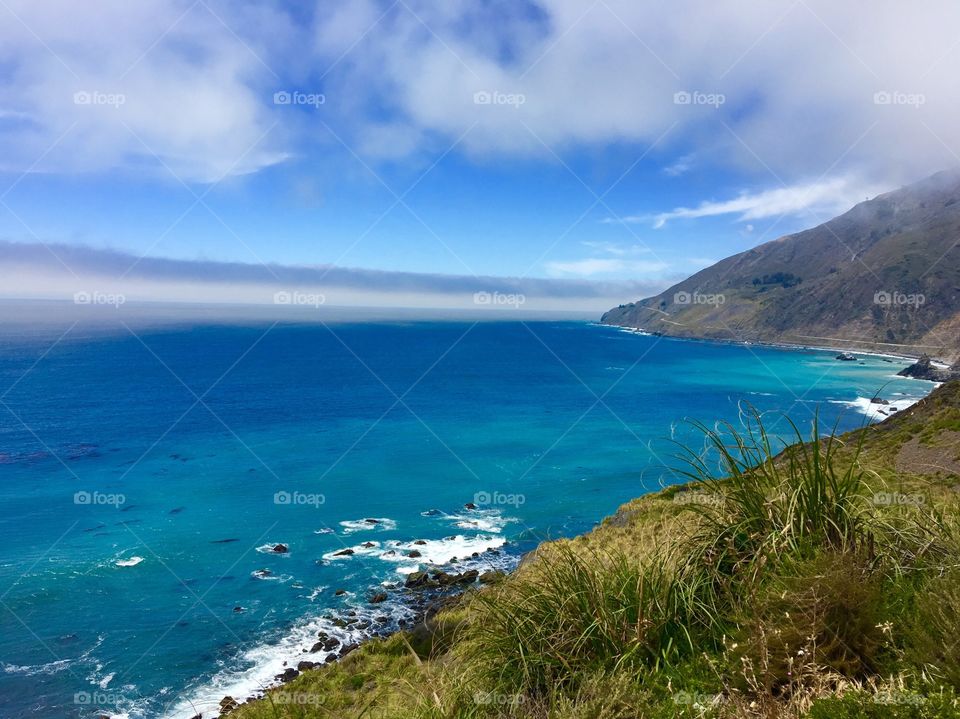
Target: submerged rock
{"x":280,"y":548}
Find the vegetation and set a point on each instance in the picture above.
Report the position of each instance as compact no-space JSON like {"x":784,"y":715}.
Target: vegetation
{"x":784,"y":584}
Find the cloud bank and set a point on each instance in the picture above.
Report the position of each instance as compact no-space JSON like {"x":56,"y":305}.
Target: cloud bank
{"x":56,"y":271}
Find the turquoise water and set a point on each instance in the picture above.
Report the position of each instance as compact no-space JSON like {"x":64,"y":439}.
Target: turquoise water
{"x":146,"y":475}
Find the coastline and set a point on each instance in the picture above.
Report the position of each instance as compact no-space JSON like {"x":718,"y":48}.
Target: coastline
{"x":388,"y":609}
{"x":418,"y":604}
{"x":855,"y":349}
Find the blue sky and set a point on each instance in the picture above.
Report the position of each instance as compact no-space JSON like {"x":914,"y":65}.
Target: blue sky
{"x":568,"y":141}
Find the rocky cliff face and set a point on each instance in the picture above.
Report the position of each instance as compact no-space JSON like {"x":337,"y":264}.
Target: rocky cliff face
{"x":884,"y":275}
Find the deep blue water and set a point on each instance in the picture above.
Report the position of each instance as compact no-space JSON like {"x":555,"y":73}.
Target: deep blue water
{"x":197,"y":448}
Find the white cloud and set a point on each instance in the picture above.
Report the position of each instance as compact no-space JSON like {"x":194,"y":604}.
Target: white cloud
{"x":800,"y":82}
{"x":827,"y":197}
{"x":799,"y":79}
{"x":162,"y":84}
{"x":602,"y":265}
{"x":680,"y":166}
{"x":611,"y":248}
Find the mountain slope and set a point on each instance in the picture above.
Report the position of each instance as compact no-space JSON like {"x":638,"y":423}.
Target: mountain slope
{"x":885,"y":275}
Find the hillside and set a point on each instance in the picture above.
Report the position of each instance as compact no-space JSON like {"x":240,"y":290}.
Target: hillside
{"x":884,"y":275}
{"x":829,"y":598}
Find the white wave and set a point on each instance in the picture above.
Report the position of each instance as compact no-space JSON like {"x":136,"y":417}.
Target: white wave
{"x":481,"y":520}
{"x":255,"y":670}
{"x":281,"y":578}
{"x":33,"y":670}
{"x":438,"y":551}
{"x":356,"y":549}
{"x":269,"y":547}
{"x":367,"y":524}
{"x":875,"y":411}
{"x":131,"y":562}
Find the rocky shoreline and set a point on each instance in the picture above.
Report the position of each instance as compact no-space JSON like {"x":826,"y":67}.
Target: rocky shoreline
{"x":425,"y":592}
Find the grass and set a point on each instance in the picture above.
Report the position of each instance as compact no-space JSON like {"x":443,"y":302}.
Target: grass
{"x":774,"y":584}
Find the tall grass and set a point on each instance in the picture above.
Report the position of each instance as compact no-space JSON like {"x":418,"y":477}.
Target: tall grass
{"x":571,"y":615}
{"x":770,"y":502}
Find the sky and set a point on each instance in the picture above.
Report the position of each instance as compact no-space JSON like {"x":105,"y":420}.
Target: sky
{"x":554,"y":154}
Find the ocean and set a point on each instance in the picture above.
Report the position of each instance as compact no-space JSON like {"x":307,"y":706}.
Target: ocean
{"x":148,"y":472}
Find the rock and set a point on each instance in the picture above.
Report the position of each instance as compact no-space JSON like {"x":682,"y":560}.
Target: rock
{"x":368,"y":545}
{"x":491,"y":577}
{"x":228,"y":704}
{"x":238,"y":609}
{"x":417,"y":579}
{"x":288,"y":674}
{"x":344,"y":553}
{"x":469,"y":505}
{"x":346,"y":649}
{"x":263,"y":573}
{"x":878,"y":400}
{"x":419,"y":542}
{"x":923,"y":369}
{"x":846,"y":357}
{"x":414,"y":554}
{"x":303,"y":666}
{"x":280,"y":548}
{"x":372,"y":521}
{"x":331,"y":644}
{"x":340,"y":592}
{"x":378,"y":598}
